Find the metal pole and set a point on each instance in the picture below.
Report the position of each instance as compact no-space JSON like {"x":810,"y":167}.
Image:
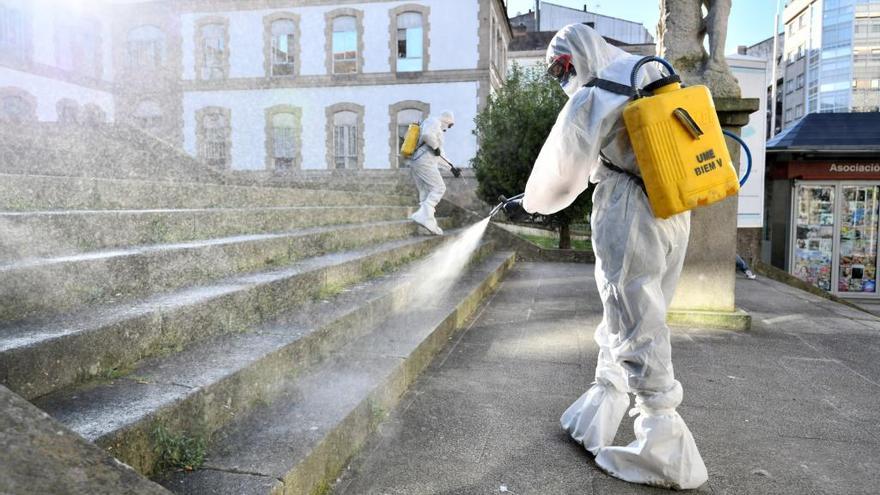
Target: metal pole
{"x":774,"y":75}
{"x":537,"y":16}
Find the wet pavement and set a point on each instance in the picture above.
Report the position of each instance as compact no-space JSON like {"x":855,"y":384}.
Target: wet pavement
{"x":788,"y":407}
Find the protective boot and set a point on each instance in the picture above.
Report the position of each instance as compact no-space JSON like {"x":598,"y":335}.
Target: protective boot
{"x":664,"y":453}
{"x":594,"y":418}
{"x":424,"y":216}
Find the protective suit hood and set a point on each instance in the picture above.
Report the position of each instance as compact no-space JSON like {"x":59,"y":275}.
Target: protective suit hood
{"x":589,"y":124}
{"x":447,"y":119}
{"x":590,"y":53}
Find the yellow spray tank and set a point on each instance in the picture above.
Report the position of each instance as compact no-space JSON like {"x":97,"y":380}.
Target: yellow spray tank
{"x":410,"y":141}
{"x":679,"y":144}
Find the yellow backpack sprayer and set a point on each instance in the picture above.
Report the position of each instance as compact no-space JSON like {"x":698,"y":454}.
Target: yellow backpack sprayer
{"x":411,"y":144}
{"x":678,"y":142}
{"x":410,"y":140}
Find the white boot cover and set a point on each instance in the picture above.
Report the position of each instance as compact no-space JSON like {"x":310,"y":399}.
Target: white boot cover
{"x":425,"y":217}
{"x":594,"y":418}
{"x":664,"y":453}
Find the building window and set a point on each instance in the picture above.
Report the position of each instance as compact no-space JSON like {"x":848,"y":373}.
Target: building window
{"x":800,"y":81}
{"x":281,"y":49}
{"x":345,"y":138}
{"x":13,"y":34}
{"x":67,"y":111}
{"x":499,"y":48}
{"x":214,"y":136}
{"x":212,"y":56}
{"x":283,"y":142}
{"x":410,"y":42}
{"x":77,"y":48}
{"x":145,"y":48}
{"x":148,"y":115}
{"x":17,"y":106}
{"x":93,"y":114}
{"x":345,"y":45}
{"x":789,"y":86}
{"x":345,"y":135}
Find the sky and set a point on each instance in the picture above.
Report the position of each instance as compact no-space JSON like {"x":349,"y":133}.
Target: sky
{"x":750,"y":21}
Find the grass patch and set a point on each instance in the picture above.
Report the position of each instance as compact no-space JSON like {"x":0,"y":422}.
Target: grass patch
{"x":548,"y":242}
{"x":329,"y":290}
{"x":113,"y":373}
{"x":178,"y":451}
{"x":322,"y":488}
{"x":377,"y":412}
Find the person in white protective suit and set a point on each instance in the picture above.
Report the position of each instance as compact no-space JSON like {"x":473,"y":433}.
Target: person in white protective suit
{"x":638,"y":262}
{"x":424,"y":166}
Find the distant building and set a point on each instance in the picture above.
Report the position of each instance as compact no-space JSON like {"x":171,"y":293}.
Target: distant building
{"x":554,"y":17}
{"x":823,"y":202}
{"x":257,"y":84}
{"x":751,"y":72}
{"x":54,"y":62}
{"x":832,"y":57}
{"x":529,"y":47}
{"x":764,"y":51}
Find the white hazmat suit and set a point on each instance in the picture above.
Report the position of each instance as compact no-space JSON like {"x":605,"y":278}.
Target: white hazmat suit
{"x":427,"y":157}
{"x":638,"y":261}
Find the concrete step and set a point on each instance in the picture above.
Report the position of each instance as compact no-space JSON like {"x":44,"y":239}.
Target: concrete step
{"x":44,"y":233}
{"x":38,"y":357}
{"x":32,"y":192}
{"x":41,"y":456}
{"x":107,"y":150}
{"x":301,"y":441}
{"x":207,"y":385}
{"x":48,"y":286}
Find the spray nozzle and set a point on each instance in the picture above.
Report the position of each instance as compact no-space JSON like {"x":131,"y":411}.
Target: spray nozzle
{"x":503,"y":201}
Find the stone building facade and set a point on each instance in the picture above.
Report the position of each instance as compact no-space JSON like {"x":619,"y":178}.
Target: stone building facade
{"x":55,"y":62}
{"x":266,"y":84}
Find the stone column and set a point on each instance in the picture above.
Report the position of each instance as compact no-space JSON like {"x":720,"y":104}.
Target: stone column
{"x":705,"y":296}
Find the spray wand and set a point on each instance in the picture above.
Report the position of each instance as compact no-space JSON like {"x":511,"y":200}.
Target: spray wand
{"x":504,"y":202}
{"x":456,"y":172}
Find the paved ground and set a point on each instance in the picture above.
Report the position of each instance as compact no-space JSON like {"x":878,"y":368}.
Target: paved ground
{"x":871,"y":305}
{"x":790,"y":407}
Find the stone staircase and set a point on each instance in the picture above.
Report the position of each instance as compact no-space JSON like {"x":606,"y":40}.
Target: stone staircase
{"x":273,"y":325}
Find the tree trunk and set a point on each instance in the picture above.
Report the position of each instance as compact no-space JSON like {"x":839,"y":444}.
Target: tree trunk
{"x":564,"y":237}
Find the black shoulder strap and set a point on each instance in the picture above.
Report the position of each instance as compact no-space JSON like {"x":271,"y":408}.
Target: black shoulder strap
{"x":621,"y":89}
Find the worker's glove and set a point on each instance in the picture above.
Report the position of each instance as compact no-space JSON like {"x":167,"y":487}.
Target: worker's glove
{"x":456,"y":172}
{"x":436,"y":151}
{"x":515,"y":211}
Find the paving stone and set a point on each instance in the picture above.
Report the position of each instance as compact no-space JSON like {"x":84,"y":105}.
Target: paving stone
{"x":788,"y":408}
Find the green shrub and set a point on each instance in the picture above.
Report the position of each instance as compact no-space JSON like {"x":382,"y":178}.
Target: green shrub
{"x":511,"y":131}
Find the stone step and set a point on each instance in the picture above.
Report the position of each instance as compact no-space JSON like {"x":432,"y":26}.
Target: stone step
{"x":41,"y":456}
{"x":38,"y":357}
{"x":41,"y":287}
{"x":33,"y":192}
{"x":205,"y":386}
{"x":44,"y":233}
{"x":301,"y":441}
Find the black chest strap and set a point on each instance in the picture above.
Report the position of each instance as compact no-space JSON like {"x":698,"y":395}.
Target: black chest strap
{"x":638,"y":180}
{"x":607,"y":85}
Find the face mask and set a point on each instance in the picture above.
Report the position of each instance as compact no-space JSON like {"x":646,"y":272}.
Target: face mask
{"x":562,"y":69}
